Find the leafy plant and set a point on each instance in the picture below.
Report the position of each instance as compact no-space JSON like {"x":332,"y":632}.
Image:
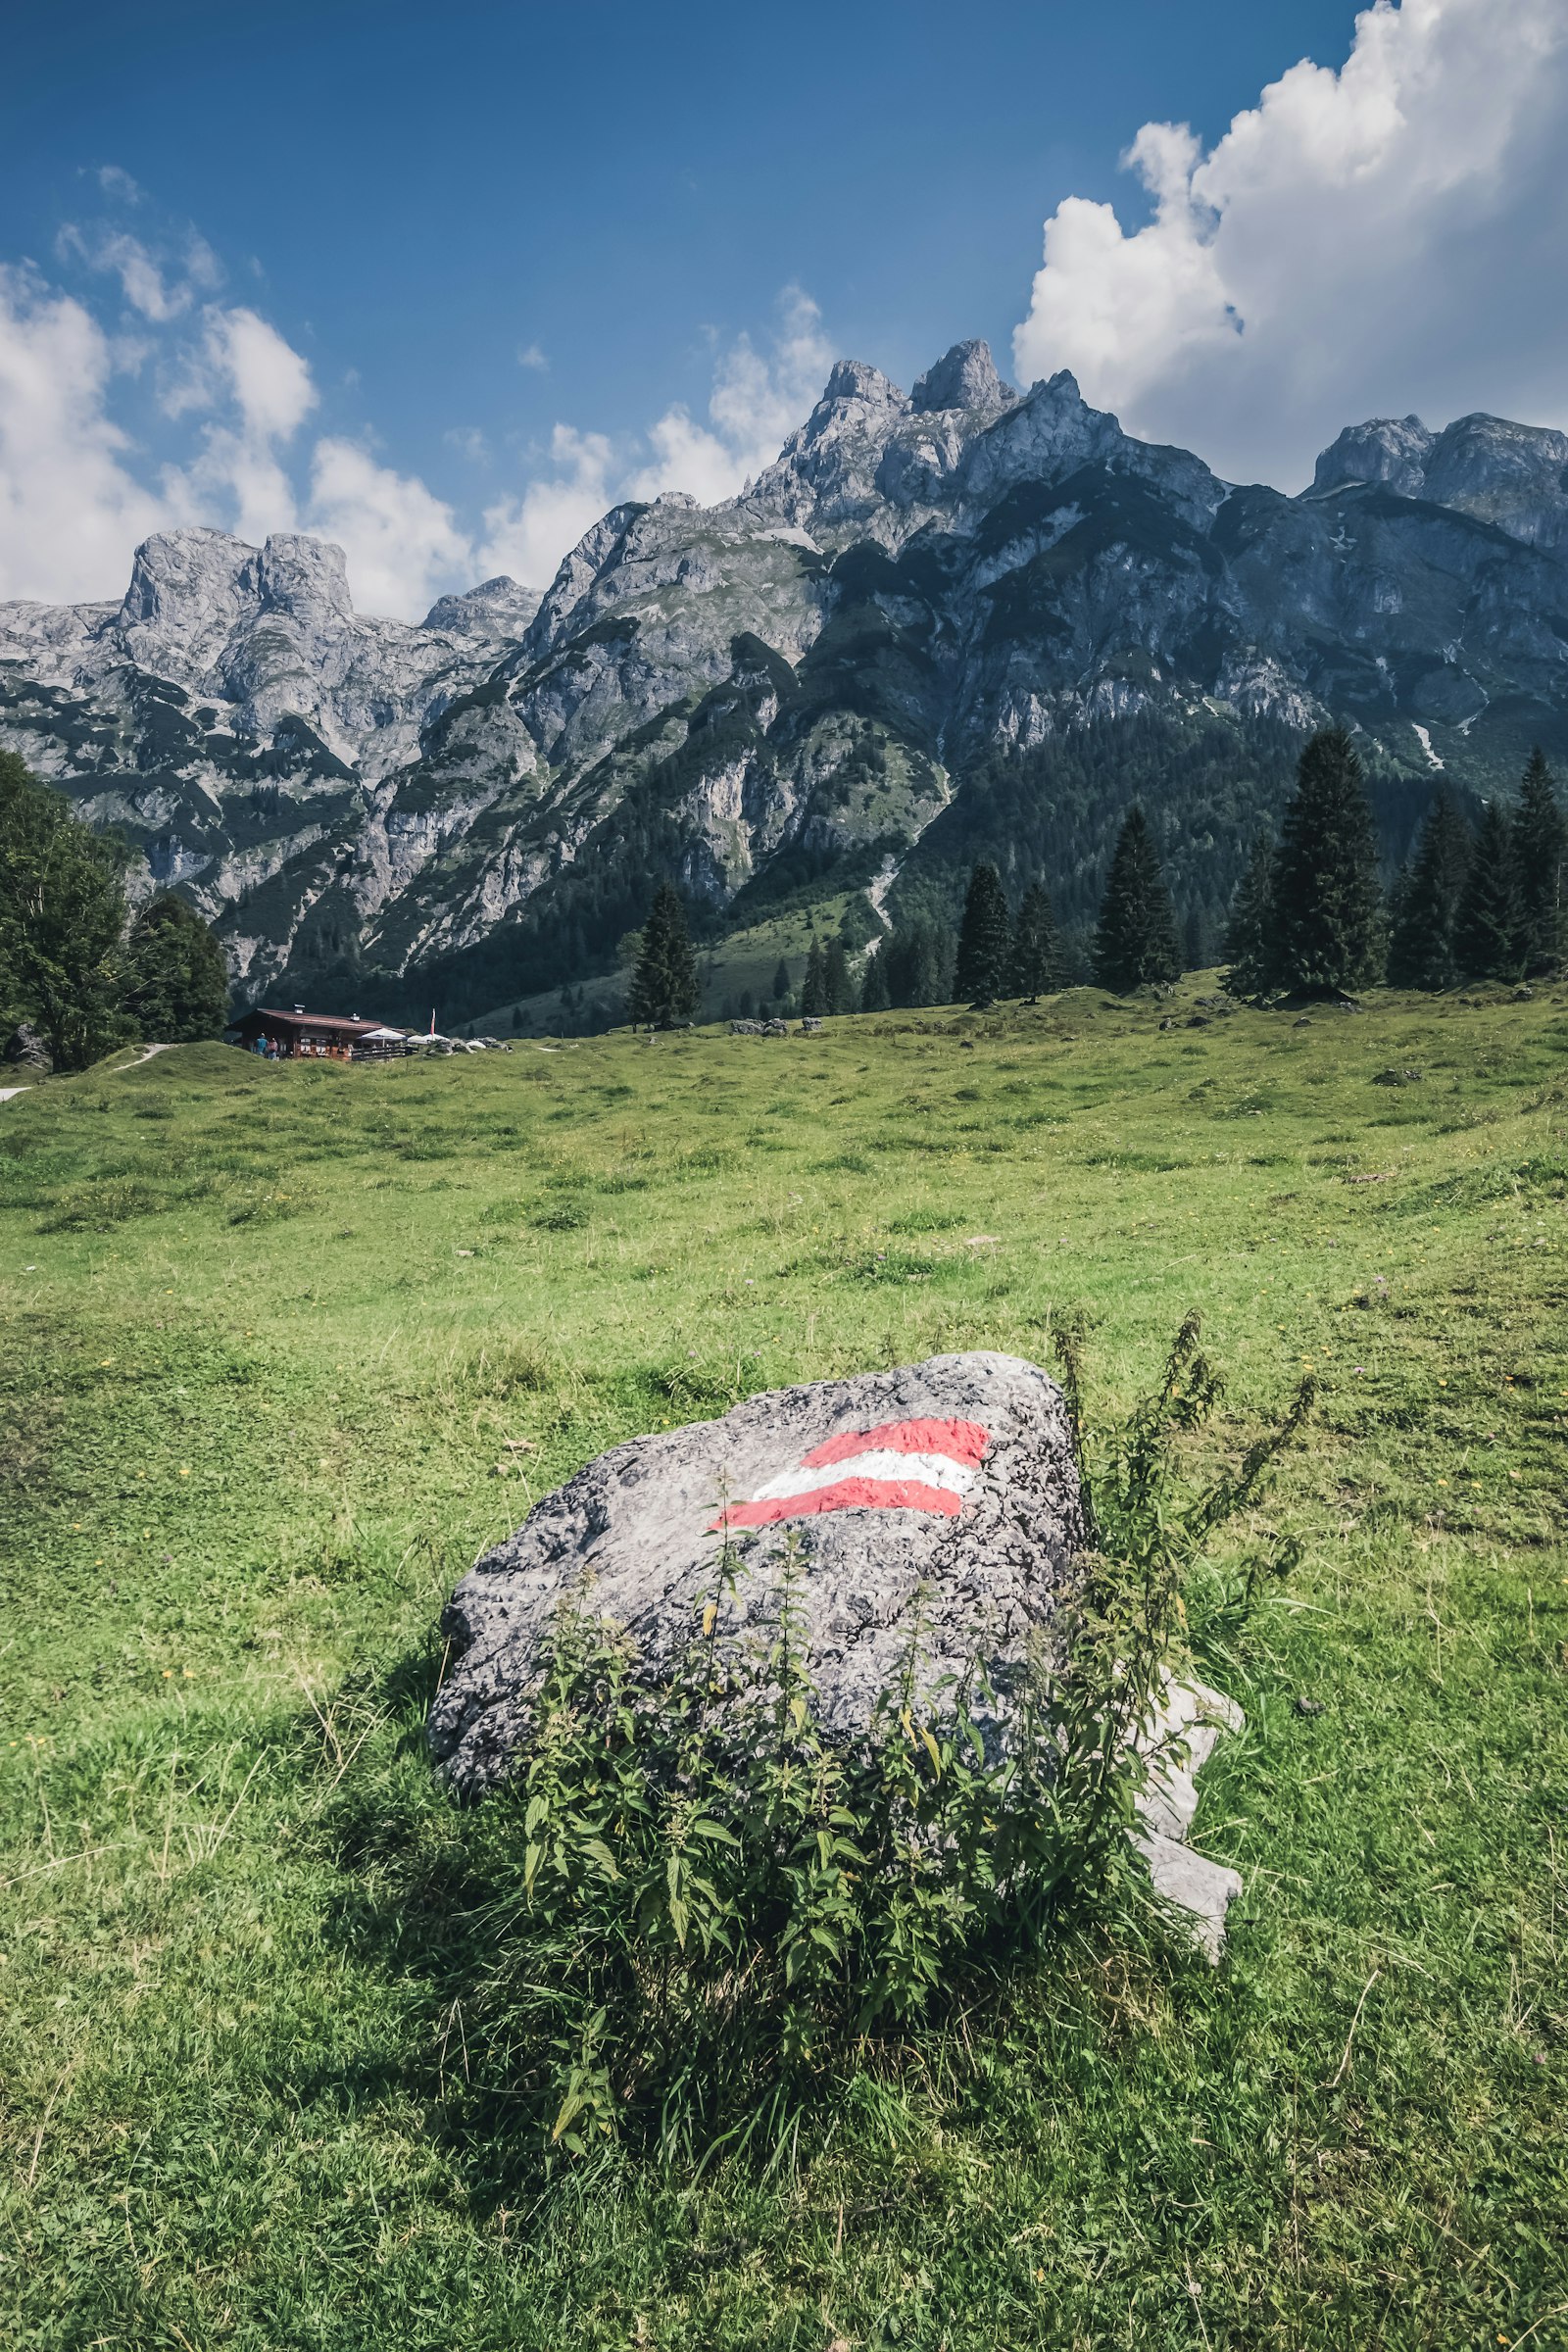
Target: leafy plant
{"x":697,"y":1897}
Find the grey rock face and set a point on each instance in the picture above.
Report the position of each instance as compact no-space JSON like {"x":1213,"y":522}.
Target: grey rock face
{"x":25,"y":1049}
{"x":965,"y":377}
{"x":947,"y":1492}
{"x":1385,"y":449}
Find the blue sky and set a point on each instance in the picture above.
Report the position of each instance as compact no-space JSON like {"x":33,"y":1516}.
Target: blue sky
{"x":504,"y":243}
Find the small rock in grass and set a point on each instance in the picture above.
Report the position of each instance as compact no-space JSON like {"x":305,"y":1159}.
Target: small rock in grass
{"x":1310,"y":1706}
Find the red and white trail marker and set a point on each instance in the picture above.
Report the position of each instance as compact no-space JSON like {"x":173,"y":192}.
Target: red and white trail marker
{"x":899,"y":1466}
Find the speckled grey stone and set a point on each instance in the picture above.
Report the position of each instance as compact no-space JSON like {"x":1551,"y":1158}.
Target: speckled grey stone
{"x":634,"y":1530}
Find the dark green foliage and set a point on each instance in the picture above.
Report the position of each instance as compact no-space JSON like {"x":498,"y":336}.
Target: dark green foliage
{"x":1248,"y":937}
{"x":177,"y":981}
{"x":1036,"y":964}
{"x":781,"y":982}
{"x":1487,"y":939}
{"x":1426,"y":903}
{"x":1135,"y":945}
{"x":696,"y":1898}
{"x":664,"y":989}
{"x":985,"y":939}
{"x":62,"y":916}
{"x":838,"y":989}
{"x":920,"y":957}
{"x":1541,"y":851}
{"x":1052,"y":813}
{"x":874,"y":995}
{"x":813,"y":988}
{"x":1328,"y":906}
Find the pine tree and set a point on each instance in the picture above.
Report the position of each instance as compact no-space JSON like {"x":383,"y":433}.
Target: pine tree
{"x":1036,"y":946}
{"x":838,"y":989}
{"x":1541,"y":851}
{"x":1249,"y":936}
{"x":1328,"y":904}
{"x":1487,"y":940}
{"x":177,"y":981}
{"x":920,"y":957}
{"x":985,"y":939}
{"x":664,"y":991}
{"x":1425,"y":901}
{"x":1135,"y":945}
{"x":875,"y":996}
{"x":781,"y":982}
{"x":62,"y":914}
{"x":813,"y":988}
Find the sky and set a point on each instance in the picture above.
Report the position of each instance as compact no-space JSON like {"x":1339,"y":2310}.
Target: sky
{"x":443,"y":284}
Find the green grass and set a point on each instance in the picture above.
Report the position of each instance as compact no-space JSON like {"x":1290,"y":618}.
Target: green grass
{"x":266,"y":1337}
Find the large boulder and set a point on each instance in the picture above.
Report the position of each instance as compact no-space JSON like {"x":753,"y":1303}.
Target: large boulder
{"x":947,"y":1488}
{"x":25,"y":1049}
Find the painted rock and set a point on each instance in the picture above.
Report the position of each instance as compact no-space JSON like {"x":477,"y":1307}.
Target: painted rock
{"x":942,"y":1496}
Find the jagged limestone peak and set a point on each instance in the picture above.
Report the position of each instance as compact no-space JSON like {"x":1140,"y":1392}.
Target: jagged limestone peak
{"x":964,"y":378}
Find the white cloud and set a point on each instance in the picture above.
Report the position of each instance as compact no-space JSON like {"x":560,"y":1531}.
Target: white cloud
{"x":70,"y":511}
{"x":757,"y":401}
{"x":402,"y":542}
{"x":526,"y":536}
{"x":262,"y":393}
{"x":1370,"y":241}
{"x":532,"y":357}
{"x":119,"y":184}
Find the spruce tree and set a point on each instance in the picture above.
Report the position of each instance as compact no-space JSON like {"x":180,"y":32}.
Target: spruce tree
{"x":919,"y":956}
{"x":177,"y":981}
{"x":813,"y":988}
{"x":781,"y":982}
{"x":985,"y":939}
{"x":1135,"y":944}
{"x":1426,"y":902}
{"x":1328,"y":904}
{"x":838,"y":989}
{"x":665,"y":989}
{"x":1036,"y":946}
{"x":61,"y":915}
{"x":1487,"y":940}
{"x":875,"y":996}
{"x":1249,"y":936}
{"x":1541,"y":851}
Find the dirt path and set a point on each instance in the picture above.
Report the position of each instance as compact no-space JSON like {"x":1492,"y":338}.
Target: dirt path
{"x":6,"y":1092}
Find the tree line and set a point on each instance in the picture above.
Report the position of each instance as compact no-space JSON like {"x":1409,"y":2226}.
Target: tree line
{"x":78,"y":969}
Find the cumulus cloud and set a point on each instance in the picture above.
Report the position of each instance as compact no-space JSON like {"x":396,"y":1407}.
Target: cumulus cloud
{"x":262,"y":391}
{"x":1367,"y":241}
{"x":70,"y":510}
{"x":402,"y":543}
{"x":757,"y":400}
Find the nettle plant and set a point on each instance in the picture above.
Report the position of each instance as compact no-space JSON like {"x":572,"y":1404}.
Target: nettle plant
{"x":697,"y":1894}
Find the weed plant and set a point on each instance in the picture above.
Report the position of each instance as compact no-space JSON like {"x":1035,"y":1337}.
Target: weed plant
{"x":698,"y":1903}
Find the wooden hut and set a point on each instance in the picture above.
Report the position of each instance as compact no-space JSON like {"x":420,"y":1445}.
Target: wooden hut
{"x":300,"y":1034}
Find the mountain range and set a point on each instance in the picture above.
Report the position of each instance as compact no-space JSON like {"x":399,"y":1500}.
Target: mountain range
{"x":945,"y":623}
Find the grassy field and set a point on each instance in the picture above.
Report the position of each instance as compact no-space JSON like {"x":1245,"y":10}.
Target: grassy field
{"x":266,"y":1333}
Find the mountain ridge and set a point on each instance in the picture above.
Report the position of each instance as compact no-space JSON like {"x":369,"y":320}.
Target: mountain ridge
{"x":790,"y":689}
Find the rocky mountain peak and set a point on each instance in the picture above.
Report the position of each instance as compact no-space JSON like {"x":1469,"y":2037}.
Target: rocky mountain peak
{"x":857,"y":379}
{"x":1385,"y":448}
{"x":965,"y":377}
{"x":498,"y":608}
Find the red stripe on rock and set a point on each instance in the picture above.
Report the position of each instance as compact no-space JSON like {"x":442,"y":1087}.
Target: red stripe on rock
{"x":845,"y":1495}
{"x":960,"y":1441}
